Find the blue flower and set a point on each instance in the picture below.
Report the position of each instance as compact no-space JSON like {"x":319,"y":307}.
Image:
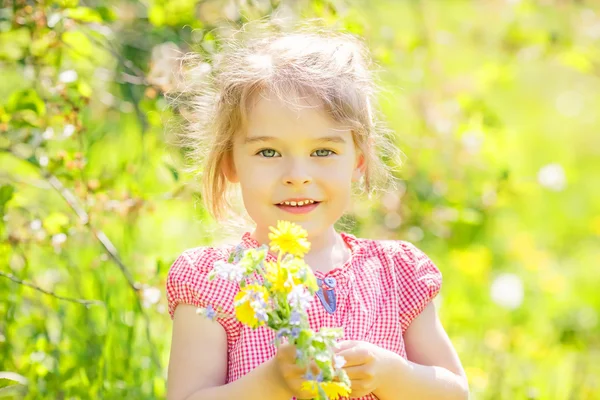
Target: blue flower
{"x":319,"y":378}
{"x":295,"y":332}
{"x":283,"y":332}
{"x":295,"y":318}
{"x":299,"y":298}
{"x":210,"y":313}
{"x":259,"y":307}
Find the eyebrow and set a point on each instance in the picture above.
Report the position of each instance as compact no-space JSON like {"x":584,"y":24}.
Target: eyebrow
{"x":326,"y":139}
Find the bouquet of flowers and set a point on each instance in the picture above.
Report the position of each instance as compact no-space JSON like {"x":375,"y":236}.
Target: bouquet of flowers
{"x":277,"y":294}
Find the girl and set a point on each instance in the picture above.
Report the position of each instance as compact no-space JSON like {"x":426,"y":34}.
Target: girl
{"x":292,"y":127}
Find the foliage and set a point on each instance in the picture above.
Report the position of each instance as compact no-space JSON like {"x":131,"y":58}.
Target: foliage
{"x":493,"y":103}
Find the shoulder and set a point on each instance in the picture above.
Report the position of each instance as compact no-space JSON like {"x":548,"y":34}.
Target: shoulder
{"x":193,"y":263}
{"x":188,"y":279}
{"x":401,"y":259}
{"x":395,"y":251}
{"x":201,"y":258}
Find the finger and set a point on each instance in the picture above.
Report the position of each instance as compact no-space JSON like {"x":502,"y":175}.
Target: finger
{"x":356,"y":356}
{"x":344,"y":345}
{"x":351,"y":357}
{"x":359,"y":373}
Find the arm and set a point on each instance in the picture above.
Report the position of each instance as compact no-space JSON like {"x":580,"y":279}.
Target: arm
{"x":433,"y":371}
{"x":198,"y":364}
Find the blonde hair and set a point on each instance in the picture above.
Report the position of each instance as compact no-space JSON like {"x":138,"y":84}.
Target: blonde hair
{"x":215,"y":99}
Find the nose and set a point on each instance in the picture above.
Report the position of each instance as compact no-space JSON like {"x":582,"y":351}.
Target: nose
{"x":296,"y":174}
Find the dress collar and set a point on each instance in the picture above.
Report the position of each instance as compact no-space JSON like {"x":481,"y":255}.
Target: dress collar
{"x":340,"y":272}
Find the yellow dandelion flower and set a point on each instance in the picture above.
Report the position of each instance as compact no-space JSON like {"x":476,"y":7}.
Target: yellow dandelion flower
{"x":276,"y":276}
{"x":311,"y":388}
{"x":249,"y":305}
{"x":289,"y":273}
{"x":333,"y":390}
{"x":289,"y":238}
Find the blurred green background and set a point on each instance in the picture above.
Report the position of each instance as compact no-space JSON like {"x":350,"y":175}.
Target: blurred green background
{"x":495,"y":105}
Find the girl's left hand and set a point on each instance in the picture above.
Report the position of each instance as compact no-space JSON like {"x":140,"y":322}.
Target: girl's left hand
{"x":364,"y":365}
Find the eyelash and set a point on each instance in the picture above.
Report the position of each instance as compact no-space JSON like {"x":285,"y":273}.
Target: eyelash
{"x":260,"y":152}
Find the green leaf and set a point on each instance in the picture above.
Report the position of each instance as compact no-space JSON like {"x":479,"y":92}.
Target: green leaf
{"x":26,"y":100}
{"x":156,"y":15}
{"x":78,"y":42}
{"x":13,"y":391}
{"x":66,"y":3}
{"x":577,"y":60}
{"x":39,"y":46}
{"x":175,"y":174}
{"x":84,"y":89}
{"x":106,"y":13}
{"x":84,"y":14}
{"x":55,"y":222}
{"x":14,"y":43}
{"x":6,"y":193}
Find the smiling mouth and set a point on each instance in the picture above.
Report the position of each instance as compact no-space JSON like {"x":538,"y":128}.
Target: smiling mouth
{"x":298,"y":207}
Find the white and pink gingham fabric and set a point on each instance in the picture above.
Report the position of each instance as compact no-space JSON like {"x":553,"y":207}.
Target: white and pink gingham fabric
{"x":380,"y":290}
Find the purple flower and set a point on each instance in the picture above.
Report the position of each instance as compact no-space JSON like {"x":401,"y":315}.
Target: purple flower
{"x":227,"y":271}
{"x":319,"y":378}
{"x":295,"y":332}
{"x":295,"y":318}
{"x":259,"y":307}
{"x":299,"y":298}
{"x":210,"y":313}
{"x":283,"y":332}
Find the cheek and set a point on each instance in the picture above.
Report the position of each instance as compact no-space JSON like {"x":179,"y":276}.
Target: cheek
{"x":254,"y":187}
{"x":338,"y":179}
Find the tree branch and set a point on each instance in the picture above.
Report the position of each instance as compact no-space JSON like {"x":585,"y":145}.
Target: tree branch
{"x":73,"y":202}
{"x":86,"y":303}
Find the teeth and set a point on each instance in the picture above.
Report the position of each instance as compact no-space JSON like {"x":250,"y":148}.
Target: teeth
{"x":296,"y":204}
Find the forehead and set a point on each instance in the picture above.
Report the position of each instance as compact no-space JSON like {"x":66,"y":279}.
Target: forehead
{"x":295,"y":118}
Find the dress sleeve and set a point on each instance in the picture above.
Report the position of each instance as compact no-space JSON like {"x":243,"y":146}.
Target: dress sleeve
{"x":187,"y":283}
{"x":419,"y":281}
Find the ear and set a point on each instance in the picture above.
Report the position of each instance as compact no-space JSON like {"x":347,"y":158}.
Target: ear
{"x":360,"y":168}
{"x":229,"y":168}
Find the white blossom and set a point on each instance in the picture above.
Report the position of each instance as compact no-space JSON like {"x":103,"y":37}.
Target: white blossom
{"x":299,"y":297}
{"x":552,"y":176}
{"x":507,"y":291}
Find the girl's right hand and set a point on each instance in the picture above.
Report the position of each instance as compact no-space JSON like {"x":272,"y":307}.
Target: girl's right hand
{"x":291,"y":374}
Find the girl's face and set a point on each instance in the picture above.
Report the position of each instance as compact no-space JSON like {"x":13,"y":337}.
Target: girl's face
{"x":294,"y":155}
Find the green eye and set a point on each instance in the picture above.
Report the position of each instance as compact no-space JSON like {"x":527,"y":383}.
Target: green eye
{"x":323,"y":153}
{"x":268,"y":153}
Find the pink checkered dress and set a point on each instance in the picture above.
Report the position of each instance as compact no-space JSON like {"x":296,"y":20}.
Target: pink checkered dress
{"x":378,"y":292}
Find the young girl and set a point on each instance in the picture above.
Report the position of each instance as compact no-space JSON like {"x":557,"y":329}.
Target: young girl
{"x":292,"y":127}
